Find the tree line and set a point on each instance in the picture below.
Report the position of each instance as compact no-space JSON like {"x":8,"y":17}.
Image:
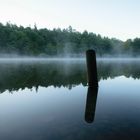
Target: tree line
{"x":62,"y":42}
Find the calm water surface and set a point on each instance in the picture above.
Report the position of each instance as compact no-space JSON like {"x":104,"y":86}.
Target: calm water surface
{"x":50,"y":100}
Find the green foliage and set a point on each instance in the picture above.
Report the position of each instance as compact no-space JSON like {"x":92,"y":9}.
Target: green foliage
{"x":34,"y":41}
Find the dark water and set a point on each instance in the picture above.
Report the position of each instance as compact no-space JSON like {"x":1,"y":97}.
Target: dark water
{"x":50,"y":100}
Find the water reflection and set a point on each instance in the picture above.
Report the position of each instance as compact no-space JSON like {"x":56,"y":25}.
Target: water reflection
{"x":57,"y":113}
{"x":91,"y":104}
{"x":15,"y":76}
{"x":21,"y":75}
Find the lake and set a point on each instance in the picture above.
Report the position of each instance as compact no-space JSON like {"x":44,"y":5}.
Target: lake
{"x":50,"y":100}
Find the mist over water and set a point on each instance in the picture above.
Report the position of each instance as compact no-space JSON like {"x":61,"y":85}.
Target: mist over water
{"x":67,"y":57}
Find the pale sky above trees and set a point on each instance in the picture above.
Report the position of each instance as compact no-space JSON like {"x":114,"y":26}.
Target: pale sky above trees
{"x":112,"y":18}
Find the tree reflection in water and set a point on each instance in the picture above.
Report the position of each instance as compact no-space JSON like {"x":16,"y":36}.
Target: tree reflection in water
{"x":21,"y":75}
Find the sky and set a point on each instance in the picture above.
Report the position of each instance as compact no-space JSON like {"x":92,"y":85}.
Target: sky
{"x":111,"y":18}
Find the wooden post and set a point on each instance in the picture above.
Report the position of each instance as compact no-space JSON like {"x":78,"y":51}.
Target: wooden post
{"x":91,"y":68}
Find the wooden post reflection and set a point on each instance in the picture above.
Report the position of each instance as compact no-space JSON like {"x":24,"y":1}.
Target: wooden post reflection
{"x":91,"y":104}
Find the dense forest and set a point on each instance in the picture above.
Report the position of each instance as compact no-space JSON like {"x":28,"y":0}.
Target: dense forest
{"x":61,"y":42}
